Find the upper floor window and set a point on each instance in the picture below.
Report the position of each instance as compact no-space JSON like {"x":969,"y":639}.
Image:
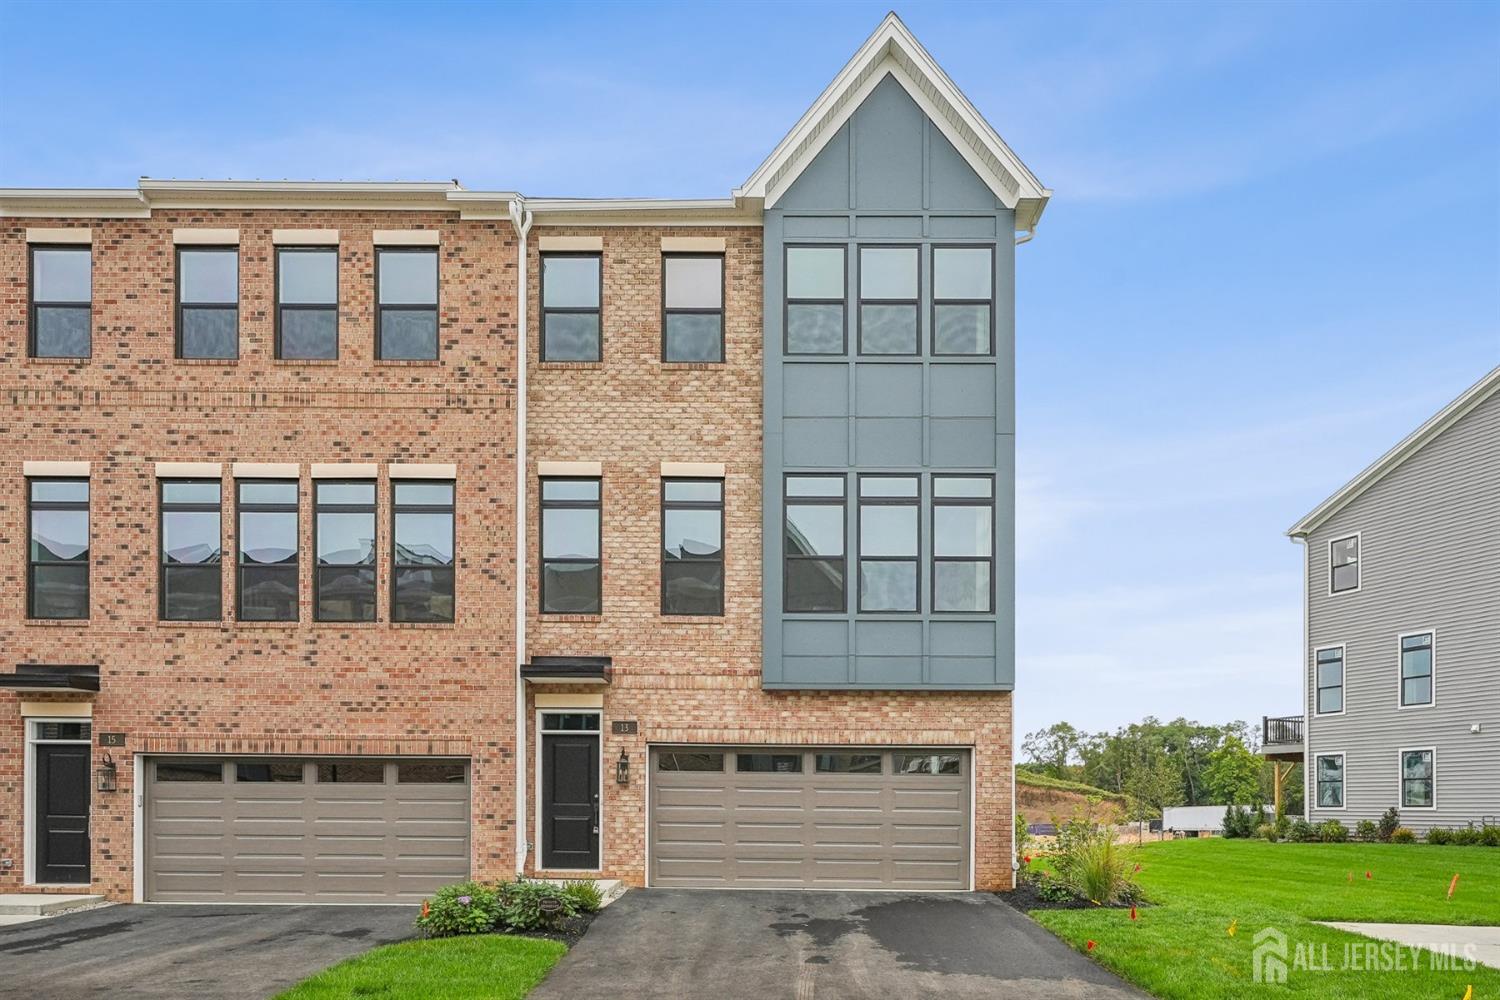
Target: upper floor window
{"x":813,"y":575}
{"x":692,"y":558}
{"x":406,"y":317}
{"x":266,"y":533}
{"x":191,"y":550}
{"x":1330,"y":681}
{"x":307,"y":302}
{"x":888,"y":300}
{"x":1343,"y":564}
{"x":572,"y":289}
{"x":963,"y":543}
{"x":62,"y":295}
{"x":344,"y":544}
{"x":57,"y":565}
{"x":208,"y":302}
{"x":888,"y":515}
{"x":693,"y":307}
{"x":963,"y":300}
{"x":1418,"y":779}
{"x":570,"y":546}
{"x":422,"y":583}
{"x":1416,"y":669}
{"x":1330,"y":768}
{"x":816,"y":289}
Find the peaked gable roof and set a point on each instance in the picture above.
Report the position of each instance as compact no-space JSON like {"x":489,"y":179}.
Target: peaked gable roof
{"x":1409,"y":446}
{"x":894,"y":51}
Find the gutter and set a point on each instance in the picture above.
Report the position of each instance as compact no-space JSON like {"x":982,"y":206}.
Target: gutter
{"x":520,"y":217}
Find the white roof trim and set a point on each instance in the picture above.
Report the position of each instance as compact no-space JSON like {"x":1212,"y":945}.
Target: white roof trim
{"x":893,"y":50}
{"x":1413,"y":443}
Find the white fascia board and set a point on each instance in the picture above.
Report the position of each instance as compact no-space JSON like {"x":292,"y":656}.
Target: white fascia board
{"x":95,"y":203}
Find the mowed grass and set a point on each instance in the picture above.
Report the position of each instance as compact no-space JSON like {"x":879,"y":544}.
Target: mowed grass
{"x":1181,"y":947}
{"x":481,"y":967}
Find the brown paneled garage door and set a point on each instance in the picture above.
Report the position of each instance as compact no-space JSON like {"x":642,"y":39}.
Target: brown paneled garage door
{"x":795,"y":817}
{"x":261,"y":830}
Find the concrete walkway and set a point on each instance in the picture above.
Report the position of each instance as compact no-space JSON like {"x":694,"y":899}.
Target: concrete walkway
{"x":1482,"y":944}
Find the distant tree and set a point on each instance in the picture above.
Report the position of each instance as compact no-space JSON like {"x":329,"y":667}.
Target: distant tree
{"x":1053,"y":749}
{"x":1233,"y":775}
{"x":1154,"y":787}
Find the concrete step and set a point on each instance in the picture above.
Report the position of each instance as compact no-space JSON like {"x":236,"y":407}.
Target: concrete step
{"x":41,"y":904}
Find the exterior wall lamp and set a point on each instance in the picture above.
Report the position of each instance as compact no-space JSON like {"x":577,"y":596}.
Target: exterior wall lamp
{"x":107,"y":773}
{"x":622,"y":769}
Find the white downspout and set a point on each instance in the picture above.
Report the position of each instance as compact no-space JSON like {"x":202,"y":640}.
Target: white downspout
{"x":520,"y":217}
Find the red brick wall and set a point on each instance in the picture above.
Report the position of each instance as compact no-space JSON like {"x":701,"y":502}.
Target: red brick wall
{"x":304,"y":687}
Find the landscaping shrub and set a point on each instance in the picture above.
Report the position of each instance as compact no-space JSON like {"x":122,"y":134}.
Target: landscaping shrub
{"x":1092,"y":865}
{"x":1267,"y":831}
{"x":586,"y":895}
{"x":1239,"y":822}
{"x":1440,"y":835}
{"x":1301,"y":832}
{"x":1049,"y":888}
{"x":521,"y":906}
{"x":1332,"y":832}
{"x":464,"y":908}
{"x":1490,"y":835}
{"x":1403,"y":835}
{"x":1022,"y":836}
{"x":1367,"y":831}
{"x":1390,"y":822}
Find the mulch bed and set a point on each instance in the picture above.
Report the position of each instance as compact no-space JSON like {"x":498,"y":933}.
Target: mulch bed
{"x":570,"y":933}
{"x":1025,"y":897}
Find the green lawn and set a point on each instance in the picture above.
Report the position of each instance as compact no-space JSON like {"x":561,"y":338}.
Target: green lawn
{"x":1181,"y":948}
{"x":482,"y":967}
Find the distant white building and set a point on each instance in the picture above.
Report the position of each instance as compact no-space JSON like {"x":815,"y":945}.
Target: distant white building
{"x":1196,"y":821}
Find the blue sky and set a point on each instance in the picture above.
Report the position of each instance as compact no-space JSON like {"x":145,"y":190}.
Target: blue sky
{"x":1274,"y":247}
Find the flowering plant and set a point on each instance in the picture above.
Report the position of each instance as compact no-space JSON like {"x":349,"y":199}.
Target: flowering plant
{"x":465,"y":908}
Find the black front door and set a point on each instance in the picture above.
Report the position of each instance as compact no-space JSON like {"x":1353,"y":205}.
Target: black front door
{"x":62,"y":813}
{"x":570,"y":800}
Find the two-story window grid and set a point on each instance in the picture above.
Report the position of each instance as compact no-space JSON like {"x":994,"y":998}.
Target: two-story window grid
{"x":571,"y":539}
{"x":61,"y":281}
{"x":692,"y":559}
{"x":692,"y":324}
{"x":208,"y":302}
{"x":307,"y":303}
{"x":423,"y":546}
{"x":888,"y":544}
{"x":267,"y":542}
{"x":191,"y":541}
{"x":344,"y":550}
{"x":57,"y":551}
{"x":572,"y":297}
{"x":814,"y":529}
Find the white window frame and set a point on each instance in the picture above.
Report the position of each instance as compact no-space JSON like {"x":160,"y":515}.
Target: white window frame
{"x":1359,"y":563}
{"x":1343,"y":780}
{"x":1401,"y":686}
{"x":1343,"y":679}
{"x":536,"y":851}
{"x":28,"y":820}
{"x":1401,"y":779}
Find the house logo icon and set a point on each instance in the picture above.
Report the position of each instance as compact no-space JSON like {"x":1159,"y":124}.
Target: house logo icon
{"x":1268,"y":960}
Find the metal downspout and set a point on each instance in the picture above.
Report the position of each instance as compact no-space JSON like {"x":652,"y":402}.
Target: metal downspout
{"x":520,"y":217}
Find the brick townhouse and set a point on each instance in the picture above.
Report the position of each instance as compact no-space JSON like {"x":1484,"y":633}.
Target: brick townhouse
{"x":362,"y":536}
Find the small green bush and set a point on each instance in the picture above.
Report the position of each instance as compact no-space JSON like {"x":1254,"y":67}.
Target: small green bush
{"x":1403,"y":835}
{"x":1490,"y":835}
{"x":1048,"y":887}
{"x":1390,"y":822}
{"x":1092,"y":865}
{"x":1239,"y":822}
{"x":522,"y":908}
{"x":464,"y":908}
{"x":1367,"y":831}
{"x":1023,"y":834}
{"x":1332,"y":832}
{"x":1267,"y":831}
{"x":586,"y":895}
{"x":1301,"y":832}
{"x":1440,"y":835}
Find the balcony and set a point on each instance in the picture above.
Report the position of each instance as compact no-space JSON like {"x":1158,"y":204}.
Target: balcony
{"x":1281,"y":738}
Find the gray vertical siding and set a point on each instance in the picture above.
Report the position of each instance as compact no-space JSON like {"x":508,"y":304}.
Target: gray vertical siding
{"x":1430,"y":559}
{"x":890,"y":176}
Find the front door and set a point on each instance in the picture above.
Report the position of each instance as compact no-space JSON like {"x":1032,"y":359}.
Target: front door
{"x":62,"y":813}
{"x":570,"y":800}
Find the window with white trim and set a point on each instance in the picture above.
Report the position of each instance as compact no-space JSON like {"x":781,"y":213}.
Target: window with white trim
{"x":1330,"y":777}
{"x":1343,"y":564}
{"x":1330,"y":679}
{"x":1416,"y":669}
{"x":1418,"y":779}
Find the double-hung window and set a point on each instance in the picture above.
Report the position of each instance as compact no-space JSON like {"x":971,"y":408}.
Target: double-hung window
{"x":1330,"y":777}
{"x":1330,"y":680}
{"x":1418,"y":779}
{"x":963,"y":543}
{"x":692,"y":557}
{"x":813,"y":575}
{"x":888,"y":300}
{"x":406,"y":315}
{"x":57,"y":564}
{"x":572,"y":290}
{"x":1343,"y":564}
{"x":208,"y":302}
{"x":693,"y":307}
{"x":963,"y":300}
{"x":888,"y":543}
{"x":344,"y":543}
{"x":816,"y":290}
{"x":422,"y":581}
{"x":307,"y":303}
{"x":570,"y":543}
{"x":267,"y":542}
{"x":191,"y":550}
{"x":62,"y":295}
{"x":1416,"y":669}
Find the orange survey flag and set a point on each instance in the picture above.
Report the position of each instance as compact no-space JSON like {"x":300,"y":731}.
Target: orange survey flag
{"x":1451,"y":886}
{"x":1234,"y":926}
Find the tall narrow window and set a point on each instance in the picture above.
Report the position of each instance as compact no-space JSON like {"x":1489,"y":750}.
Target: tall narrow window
{"x":1343,"y":564}
{"x":693,"y":307}
{"x":813,"y":576}
{"x":191,"y":550}
{"x":208,"y":302}
{"x":888,"y":300}
{"x":692,"y":559}
{"x":1418,"y":779}
{"x":816,"y":289}
{"x":406,"y":320}
{"x":963,"y":543}
{"x":1416,"y":669}
{"x":1330,"y":680}
{"x":344,"y":540}
{"x":1331,"y":781}
{"x":570,"y":546}
{"x":57,"y":565}
{"x":572,"y":289}
{"x":963,"y":300}
{"x":888,"y":517}
{"x":62,"y":296}
{"x":307,"y":303}
{"x":266,"y":536}
{"x":422,"y":583}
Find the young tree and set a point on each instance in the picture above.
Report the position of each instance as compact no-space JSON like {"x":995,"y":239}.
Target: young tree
{"x":1053,"y":748}
{"x":1233,"y":776}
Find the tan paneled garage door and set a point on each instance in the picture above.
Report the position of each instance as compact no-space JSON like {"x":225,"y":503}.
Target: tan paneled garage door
{"x":836,"y":818}
{"x":259,"y":830}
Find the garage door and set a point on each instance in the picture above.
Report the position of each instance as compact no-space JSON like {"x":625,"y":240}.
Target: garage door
{"x":796,"y":817}
{"x":260,"y":830}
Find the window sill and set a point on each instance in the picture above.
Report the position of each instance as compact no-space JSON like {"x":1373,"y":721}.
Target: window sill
{"x":408,"y":363}
{"x":344,"y":625}
{"x":696,"y":365}
{"x":58,"y":361}
{"x":693,"y":619}
{"x":440,"y":626}
{"x":217,"y":623}
{"x":55,"y":622}
{"x":259,"y":624}
{"x":569,"y":365}
{"x":323,"y":362}
{"x":207,"y":361}
{"x":545,"y":616}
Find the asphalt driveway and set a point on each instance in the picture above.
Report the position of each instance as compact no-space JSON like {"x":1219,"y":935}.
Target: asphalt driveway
{"x":811,"y":945}
{"x":152,"y":952}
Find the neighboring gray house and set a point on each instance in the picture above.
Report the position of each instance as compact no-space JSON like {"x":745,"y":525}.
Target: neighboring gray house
{"x":1402,"y":643}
